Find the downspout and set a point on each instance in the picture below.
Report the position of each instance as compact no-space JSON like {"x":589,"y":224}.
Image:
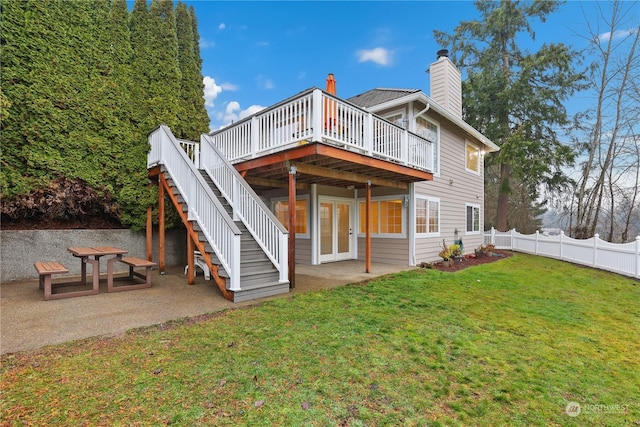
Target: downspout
{"x":423,"y":111}
{"x":412,"y":209}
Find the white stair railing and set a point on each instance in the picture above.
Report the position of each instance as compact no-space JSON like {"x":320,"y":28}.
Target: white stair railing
{"x":247,"y":206}
{"x":219,"y":230}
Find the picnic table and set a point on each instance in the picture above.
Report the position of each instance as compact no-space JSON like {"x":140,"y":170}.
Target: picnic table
{"x":92,"y":255}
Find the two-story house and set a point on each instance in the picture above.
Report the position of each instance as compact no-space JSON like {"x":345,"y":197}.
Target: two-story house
{"x":384,"y":176}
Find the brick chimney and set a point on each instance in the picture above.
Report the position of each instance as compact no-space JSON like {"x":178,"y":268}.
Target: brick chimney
{"x":446,"y":83}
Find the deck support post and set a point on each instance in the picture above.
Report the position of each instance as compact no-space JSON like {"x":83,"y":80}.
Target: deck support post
{"x":292,"y":227}
{"x":150,"y":231}
{"x":161,"y":187}
{"x":368,"y":229}
{"x":191,"y":247}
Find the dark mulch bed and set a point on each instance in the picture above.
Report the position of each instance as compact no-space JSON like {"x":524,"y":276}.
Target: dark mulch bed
{"x":471,"y":261}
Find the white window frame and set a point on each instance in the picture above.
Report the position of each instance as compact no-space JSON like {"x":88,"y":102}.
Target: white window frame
{"x":428,"y":199}
{"x":403,"y":234}
{"x":466,"y":224}
{"x":403,"y":117}
{"x":437,"y":146}
{"x":304,"y":197}
{"x":477,"y":148}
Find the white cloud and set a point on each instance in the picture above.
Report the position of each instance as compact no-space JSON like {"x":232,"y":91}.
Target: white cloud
{"x":222,"y":26}
{"x":212,"y":89}
{"x":618,"y":34}
{"x":233,"y":113}
{"x":229,"y":86}
{"x":379,"y":55}
{"x":265,"y":82}
{"x":205,"y":44}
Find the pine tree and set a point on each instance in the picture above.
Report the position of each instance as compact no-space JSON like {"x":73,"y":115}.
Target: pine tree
{"x":515,"y":97}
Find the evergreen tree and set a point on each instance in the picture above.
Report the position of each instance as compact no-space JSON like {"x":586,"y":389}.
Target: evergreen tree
{"x":140,"y":61}
{"x":82,"y":85}
{"x":194,"y":115}
{"x":515,"y":97}
{"x":15,"y":82}
{"x":163,"y":97}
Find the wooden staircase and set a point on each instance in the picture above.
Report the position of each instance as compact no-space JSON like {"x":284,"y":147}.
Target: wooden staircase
{"x":258,"y":276}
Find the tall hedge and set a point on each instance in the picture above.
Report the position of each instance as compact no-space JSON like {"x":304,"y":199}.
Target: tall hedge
{"x":83,"y":83}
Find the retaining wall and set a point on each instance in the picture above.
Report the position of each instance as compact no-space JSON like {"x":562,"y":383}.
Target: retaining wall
{"x":19,"y":249}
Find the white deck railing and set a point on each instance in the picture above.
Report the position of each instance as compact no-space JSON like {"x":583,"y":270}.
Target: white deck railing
{"x":192,"y":149}
{"x":622,"y":258}
{"x":247,"y":206}
{"x":220,"y":231}
{"x":317,"y":116}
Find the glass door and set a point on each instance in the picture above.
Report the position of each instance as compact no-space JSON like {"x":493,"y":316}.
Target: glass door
{"x":336,"y":230}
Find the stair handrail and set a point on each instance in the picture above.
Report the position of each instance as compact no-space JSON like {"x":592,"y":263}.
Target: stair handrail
{"x":221,"y":232}
{"x":247,"y":206}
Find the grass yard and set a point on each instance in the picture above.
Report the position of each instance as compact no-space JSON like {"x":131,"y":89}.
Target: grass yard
{"x":507,"y":343}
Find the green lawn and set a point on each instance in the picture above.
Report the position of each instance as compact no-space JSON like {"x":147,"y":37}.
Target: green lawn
{"x":507,"y":343}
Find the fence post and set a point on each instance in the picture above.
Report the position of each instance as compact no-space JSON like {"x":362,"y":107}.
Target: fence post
{"x":537,"y":235}
{"x":637,"y":256}
{"x":493,"y":236}
{"x":595,"y":249}
{"x":513,"y":237}
{"x":561,"y":249}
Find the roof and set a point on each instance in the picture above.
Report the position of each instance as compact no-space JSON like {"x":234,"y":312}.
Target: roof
{"x":379,"y":95}
{"x":380,"y":99}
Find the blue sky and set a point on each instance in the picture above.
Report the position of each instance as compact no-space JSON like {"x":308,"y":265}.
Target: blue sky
{"x":256,"y":54}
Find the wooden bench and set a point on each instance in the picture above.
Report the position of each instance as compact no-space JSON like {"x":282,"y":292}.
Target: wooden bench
{"x":133,"y":263}
{"x":46,"y":270}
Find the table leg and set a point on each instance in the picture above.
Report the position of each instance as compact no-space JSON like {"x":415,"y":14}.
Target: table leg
{"x":110,"y":263}
{"x":95,"y":266}
{"x":83,"y":270}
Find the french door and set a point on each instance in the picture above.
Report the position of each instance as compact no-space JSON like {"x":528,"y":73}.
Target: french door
{"x":336,"y":229}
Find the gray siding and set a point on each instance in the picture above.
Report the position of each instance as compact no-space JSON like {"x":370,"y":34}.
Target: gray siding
{"x":388,"y":251}
{"x":303,"y":251}
{"x":455,"y":187}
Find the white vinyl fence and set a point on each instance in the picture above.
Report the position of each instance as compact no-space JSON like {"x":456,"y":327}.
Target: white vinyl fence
{"x":622,"y":258}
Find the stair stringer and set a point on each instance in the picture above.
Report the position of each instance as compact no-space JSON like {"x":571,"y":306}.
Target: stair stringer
{"x":193,"y":235}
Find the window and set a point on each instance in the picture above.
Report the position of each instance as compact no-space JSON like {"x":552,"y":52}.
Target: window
{"x":386,"y":218}
{"x":472,"y":162}
{"x":427,"y":215}
{"x":397,"y":118}
{"x":473,"y":218}
{"x":430,"y":131}
{"x":281,"y":210}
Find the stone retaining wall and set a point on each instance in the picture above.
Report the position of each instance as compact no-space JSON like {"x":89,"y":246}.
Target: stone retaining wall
{"x":19,"y":249}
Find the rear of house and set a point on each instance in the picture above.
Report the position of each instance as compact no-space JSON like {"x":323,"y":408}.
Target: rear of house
{"x":404,"y":163}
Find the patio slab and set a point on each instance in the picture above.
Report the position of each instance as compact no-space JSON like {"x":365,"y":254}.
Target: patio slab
{"x":27,"y":322}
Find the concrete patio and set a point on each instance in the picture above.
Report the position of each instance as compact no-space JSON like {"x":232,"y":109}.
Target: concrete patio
{"x":27,"y":322}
